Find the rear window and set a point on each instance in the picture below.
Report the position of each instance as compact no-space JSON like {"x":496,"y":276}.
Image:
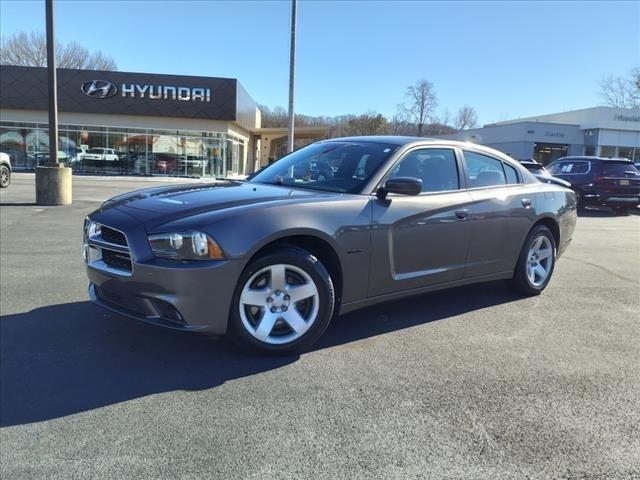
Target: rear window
{"x":534,"y":167}
{"x":616,"y":168}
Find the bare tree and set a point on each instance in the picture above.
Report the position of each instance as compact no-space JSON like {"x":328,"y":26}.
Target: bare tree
{"x":420,"y":103}
{"x":466,"y":118}
{"x":622,"y":92}
{"x":445,"y":118}
{"x":30,"y":50}
{"x":437,"y":128}
{"x":400,"y":124}
{"x":370,"y":123}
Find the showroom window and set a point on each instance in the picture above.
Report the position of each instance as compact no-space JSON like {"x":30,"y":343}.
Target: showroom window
{"x":117,"y":150}
{"x":626,"y":152}
{"x":607,"y":151}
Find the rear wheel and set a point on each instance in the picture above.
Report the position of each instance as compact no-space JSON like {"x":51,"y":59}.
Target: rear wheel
{"x":579,"y":200}
{"x":535,"y":263}
{"x":620,"y":209}
{"x":5,"y":176}
{"x":283,"y":302}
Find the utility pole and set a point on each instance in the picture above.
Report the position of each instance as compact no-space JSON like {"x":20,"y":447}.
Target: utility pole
{"x":292,"y":73}
{"x":53,"y":181}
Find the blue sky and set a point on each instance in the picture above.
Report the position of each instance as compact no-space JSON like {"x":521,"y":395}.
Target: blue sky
{"x":506,"y":59}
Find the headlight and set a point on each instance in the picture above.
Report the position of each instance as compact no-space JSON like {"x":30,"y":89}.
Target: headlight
{"x":91,"y":229}
{"x":185,"y":246}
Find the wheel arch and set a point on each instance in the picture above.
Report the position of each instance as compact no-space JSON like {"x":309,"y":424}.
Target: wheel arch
{"x":314,"y":243}
{"x":552,"y":224}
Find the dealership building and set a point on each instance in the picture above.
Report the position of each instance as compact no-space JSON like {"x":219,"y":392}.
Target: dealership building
{"x":602,"y":131}
{"x":133,"y":123}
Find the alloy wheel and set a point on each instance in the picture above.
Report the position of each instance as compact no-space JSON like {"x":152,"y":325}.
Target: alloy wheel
{"x":4,"y":177}
{"x":279,"y":304}
{"x":539,"y":260}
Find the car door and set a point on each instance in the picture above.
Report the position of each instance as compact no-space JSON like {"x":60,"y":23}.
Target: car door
{"x":500,"y":214}
{"x":420,"y":240}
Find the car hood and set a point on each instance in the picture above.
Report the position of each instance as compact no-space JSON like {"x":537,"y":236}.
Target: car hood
{"x":163,"y":204}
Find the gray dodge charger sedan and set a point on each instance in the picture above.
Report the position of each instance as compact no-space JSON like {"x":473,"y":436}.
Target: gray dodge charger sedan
{"x":272,"y":260}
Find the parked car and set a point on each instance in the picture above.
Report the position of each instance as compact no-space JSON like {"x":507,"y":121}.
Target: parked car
{"x":103,"y":154}
{"x":542,"y":174}
{"x":5,"y":170}
{"x":78,"y":155}
{"x":612,"y":182}
{"x":41,"y":157}
{"x":193,"y":164}
{"x":272,"y":260}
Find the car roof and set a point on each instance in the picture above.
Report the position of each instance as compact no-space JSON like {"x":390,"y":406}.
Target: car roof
{"x":585,"y":158}
{"x":407,"y":141}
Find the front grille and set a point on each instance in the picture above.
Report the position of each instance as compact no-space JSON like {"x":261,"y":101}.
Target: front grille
{"x":113,"y":259}
{"x":113,"y":236}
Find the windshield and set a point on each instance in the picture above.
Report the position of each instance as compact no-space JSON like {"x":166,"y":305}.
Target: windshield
{"x":96,"y":150}
{"x":329,"y":166}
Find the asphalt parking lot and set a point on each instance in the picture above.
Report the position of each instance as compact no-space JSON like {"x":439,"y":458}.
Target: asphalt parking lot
{"x":473,"y":383}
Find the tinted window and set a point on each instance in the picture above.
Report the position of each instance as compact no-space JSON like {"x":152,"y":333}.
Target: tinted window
{"x":616,"y":168}
{"x":329,"y":166}
{"x":512,"y":175}
{"x":534,"y":167}
{"x":483,"y":171}
{"x":568,"y":168}
{"x":436,"y":168}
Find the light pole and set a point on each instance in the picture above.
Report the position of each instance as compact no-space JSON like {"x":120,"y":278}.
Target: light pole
{"x":52,"y":87}
{"x":292,"y":68}
{"x":53,"y":181}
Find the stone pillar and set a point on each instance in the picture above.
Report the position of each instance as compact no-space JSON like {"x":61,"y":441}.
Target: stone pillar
{"x":53,"y":185}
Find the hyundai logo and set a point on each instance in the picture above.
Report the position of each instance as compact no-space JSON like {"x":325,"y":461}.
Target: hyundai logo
{"x":99,"y":89}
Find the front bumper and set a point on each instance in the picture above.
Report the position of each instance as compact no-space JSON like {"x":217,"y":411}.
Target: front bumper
{"x":183,"y":296}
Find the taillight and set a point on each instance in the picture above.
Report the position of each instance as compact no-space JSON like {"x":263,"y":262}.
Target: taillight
{"x":598,"y":178}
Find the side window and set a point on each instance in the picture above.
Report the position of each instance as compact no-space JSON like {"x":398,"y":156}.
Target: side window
{"x":555,"y":168}
{"x":580,"y":167}
{"x":483,"y":171}
{"x":512,"y":175}
{"x":566,"y":168}
{"x":436,"y":167}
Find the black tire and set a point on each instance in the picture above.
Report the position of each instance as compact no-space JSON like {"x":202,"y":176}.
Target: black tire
{"x":579,"y":200}
{"x":5,"y":176}
{"x":296,"y":257}
{"x":620,"y":209}
{"x":520,"y":281}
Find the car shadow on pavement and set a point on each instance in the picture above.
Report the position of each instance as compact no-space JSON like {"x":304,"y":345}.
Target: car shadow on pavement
{"x":605,"y":212}
{"x":64,"y":359}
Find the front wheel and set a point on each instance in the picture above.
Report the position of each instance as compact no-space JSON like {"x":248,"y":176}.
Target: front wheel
{"x":5,"y":176}
{"x":283,"y":302}
{"x":535,"y":263}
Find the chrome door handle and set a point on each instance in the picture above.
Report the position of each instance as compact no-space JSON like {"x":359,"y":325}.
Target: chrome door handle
{"x":462,"y":214}
{"x":526,"y":202}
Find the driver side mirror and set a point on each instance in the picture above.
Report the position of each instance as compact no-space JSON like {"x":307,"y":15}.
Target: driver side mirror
{"x":400,"y":185}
